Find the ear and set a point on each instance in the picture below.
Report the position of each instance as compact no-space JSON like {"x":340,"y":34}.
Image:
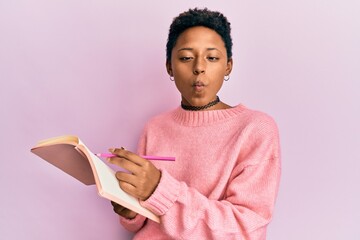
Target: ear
{"x":169,"y":69}
{"x":229,"y":66}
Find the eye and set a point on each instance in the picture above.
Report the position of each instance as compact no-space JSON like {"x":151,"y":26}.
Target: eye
{"x":185,"y":59}
{"x":213,"y":59}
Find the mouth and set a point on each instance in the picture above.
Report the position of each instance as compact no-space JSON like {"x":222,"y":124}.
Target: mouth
{"x":198,"y":86}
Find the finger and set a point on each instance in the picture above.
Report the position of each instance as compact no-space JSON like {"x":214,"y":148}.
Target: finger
{"x":135,"y":188}
{"x":127,"y":213}
{"x":126,"y":177}
{"x":121,"y":152}
{"x":129,"y":188}
{"x":114,"y":204}
{"x":128,"y":183}
{"x":125,"y":164}
{"x":118,"y":208}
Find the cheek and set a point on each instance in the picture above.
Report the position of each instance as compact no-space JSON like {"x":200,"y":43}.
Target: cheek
{"x":217,"y":74}
{"x":218,"y":84}
{"x":180,"y":85}
{"x":182,"y":71}
{"x":217,"y":78}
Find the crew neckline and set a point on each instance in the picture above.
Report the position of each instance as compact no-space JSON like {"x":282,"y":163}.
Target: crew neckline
{"x":199,"y":118}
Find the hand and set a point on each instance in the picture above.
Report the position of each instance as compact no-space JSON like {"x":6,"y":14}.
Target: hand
{"x":143,"y":178}
{"x":122,"y":211}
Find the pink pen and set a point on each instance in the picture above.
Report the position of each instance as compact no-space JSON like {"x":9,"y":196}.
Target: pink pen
{"x":109,"y":155}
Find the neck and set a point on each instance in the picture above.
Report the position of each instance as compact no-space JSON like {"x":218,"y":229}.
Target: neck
{"x":200,"y":108}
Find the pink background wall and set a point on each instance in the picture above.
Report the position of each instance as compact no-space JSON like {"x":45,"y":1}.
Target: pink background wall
{"x":96,"y":69}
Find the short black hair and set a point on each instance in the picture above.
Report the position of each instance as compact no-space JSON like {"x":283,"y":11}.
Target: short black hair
{"x":199,"y":17}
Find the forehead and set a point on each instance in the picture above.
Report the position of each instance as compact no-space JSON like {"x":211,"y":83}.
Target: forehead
{"x":199,"y":36}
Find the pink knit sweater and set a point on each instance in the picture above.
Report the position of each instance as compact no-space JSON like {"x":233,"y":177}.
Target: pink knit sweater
{"x":224,"y":181}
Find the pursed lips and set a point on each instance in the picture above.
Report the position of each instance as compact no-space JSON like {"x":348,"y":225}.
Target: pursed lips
{"x":198,"y":85}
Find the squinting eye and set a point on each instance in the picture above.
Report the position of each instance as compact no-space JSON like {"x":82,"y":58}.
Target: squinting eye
{"x":213,"y":59}
{"x":185,"y":59}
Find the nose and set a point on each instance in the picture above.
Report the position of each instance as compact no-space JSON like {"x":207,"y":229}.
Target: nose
{"x":199,"y":67}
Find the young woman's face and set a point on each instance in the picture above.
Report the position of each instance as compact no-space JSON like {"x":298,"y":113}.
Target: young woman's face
{"x":198,"y":64}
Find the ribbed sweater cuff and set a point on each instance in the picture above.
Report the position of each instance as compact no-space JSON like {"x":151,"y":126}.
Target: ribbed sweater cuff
{"x":134,"y":224}
{"x":164,"y":196}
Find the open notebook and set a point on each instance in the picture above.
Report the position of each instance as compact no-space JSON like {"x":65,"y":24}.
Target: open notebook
{"x":71,"y":155}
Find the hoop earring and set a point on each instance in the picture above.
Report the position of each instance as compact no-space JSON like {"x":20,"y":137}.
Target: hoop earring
{"x":171,"y":78}
{"x":226,"y":78}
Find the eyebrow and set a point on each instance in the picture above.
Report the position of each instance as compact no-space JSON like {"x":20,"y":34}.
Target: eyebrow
{"x":190,"y":49}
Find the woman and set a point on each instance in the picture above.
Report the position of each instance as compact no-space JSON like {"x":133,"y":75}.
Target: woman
{"x":225,"y":179}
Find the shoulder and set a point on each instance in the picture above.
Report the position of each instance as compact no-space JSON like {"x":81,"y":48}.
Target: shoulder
{"x":259,"y":136}
{"x":160,"y":120}
{"x":251,"y":118}
{"x":258,"y":124}
{"x":161,"y":117}
{"x":262,"y":119}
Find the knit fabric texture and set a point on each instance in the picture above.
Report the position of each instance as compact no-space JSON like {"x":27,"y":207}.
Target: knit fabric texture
{"x":225,"y":179}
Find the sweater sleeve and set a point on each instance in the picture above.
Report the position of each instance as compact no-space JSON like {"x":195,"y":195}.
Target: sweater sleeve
{"x":243,"y":213}
{"x":133,"y":225}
